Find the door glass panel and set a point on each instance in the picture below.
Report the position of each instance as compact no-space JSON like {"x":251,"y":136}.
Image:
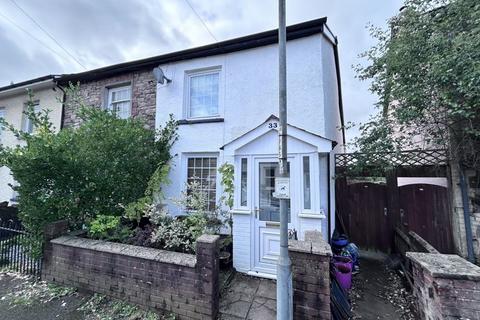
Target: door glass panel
{"x":269,"y":206}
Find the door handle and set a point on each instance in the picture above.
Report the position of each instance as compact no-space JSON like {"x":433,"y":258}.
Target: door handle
{"x":256,"y":212}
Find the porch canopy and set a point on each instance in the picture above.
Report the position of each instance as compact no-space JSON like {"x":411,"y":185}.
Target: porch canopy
{"x":263,"y":139}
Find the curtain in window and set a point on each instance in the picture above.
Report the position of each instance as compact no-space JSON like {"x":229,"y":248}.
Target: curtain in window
{"x":120,"y":102}
{"x":204,"y":95}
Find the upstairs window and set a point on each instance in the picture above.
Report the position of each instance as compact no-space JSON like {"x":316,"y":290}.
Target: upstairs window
{"x":27,"y":125}
{"x":203,"y":94}
{"x":119,"y":101}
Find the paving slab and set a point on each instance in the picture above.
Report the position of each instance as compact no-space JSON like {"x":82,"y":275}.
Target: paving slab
{"x":267,"y":289}
{"x":262,"y":308}
{"x":248,"y":298}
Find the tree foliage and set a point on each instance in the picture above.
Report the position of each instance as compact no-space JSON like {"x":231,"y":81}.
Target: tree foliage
{"x":95,"y":169}
{"x":425,"y":69}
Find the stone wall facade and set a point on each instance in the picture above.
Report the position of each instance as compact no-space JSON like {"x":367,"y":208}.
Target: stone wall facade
{"x":458,"y":220}
{"x":311,"y":277}
{"x":94,"y":93}
{"x":445,"y":286}
{"x":167,"y":282}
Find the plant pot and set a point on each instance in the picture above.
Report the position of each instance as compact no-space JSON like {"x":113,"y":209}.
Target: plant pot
{"x":225,"y":258}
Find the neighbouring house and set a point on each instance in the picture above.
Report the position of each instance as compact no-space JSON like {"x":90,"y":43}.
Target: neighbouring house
{"x":129,"y":89}
{"x":13,"y":101}
{"x":225,"y":98}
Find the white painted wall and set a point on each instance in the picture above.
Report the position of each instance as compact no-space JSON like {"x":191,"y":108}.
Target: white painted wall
{"x":249,"y":94}
{"x":330,"y":85}
{"x":14,"y":105}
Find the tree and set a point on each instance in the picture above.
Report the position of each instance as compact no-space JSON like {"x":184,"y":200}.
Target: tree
{"x":77,"y":174}
{"x":426,"y":71}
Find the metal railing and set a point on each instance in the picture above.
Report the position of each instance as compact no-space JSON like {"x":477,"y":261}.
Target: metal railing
{"x":15,"y":249}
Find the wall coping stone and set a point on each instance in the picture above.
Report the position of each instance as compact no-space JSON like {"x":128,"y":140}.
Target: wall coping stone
{"x":208,"y":238}
{"x":448,"y":266}
{"x":300,"y":246}
{"x":318,"y":247}
{"x":178,"y":258}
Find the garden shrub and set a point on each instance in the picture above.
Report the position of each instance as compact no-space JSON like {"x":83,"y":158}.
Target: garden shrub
{"x":111,"y":228}
{"x":174,"y":234}
{"x":77,"y":174}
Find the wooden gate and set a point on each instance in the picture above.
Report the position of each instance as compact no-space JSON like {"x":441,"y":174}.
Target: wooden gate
{"x":369,"y":213}
{"x":425,"y":210}
{"x":363,"y":209}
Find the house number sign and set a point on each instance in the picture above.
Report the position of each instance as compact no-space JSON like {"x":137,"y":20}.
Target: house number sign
{"x":272,"y":125}
{"x":282,"y":188}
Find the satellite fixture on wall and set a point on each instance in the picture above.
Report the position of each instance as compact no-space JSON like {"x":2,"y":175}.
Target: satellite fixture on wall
{"x":160,"y":76}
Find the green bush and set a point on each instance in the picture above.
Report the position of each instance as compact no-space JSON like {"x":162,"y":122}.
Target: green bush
{"x":174,"y":234}
{"x":77,"y":174}
{"x":109,"y":228}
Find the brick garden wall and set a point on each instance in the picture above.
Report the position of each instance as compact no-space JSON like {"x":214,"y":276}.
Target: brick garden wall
{"x":445,"y":286}
{"x":311,"y":277}
{"x":169,"y":282}
{"x":94,"y":93}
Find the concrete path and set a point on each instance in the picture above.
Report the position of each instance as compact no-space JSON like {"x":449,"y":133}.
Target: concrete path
{"x":379,"y":293}
{"x":249,"y":298}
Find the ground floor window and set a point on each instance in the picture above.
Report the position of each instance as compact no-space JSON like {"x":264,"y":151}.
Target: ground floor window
{"x":243,"y":183}
{"x":204,"y":171}
{"x":307,"y":201}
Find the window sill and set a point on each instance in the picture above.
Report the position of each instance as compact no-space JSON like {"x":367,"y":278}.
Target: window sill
{"x":195,"y":121}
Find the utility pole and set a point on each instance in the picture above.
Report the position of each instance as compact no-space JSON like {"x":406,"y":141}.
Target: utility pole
{"x":284,"y":266}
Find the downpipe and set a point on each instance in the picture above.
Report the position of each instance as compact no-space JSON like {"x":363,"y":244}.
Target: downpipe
{"x":466,"y":215}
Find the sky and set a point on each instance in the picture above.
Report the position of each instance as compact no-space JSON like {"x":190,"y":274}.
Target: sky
{"x":87,"y":34}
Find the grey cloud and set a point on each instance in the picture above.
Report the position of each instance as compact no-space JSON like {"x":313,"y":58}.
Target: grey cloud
{"x":18,"y":64}
{"x":104,"y":29}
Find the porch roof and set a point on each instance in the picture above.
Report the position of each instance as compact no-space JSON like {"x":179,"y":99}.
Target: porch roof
{"x":306,"y":136}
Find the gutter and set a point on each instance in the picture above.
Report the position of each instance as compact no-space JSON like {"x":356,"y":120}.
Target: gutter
{"x":34,"y":84}
{"x":26,"y":83}
{"x":270,"y":37}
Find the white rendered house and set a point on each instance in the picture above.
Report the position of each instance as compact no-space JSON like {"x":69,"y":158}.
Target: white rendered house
{"x":225,"y":97}
{"x":13,"y":102}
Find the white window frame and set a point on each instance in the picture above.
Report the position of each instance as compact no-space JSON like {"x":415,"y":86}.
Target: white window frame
{"x":111,"y":90}
{"x":3,"y":113}
{"x":314,"y":184}
{"x":237,"y":197}
{"x":186,"y":156}
{"x":186,"y":99}
{"x":27,"y":125}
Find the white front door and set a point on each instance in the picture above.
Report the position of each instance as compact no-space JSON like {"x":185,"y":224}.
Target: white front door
{"x":267,"y":215}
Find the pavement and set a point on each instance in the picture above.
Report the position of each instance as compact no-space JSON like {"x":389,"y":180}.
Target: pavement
{"x":248,"y":298}
{"x":62,"y":308}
